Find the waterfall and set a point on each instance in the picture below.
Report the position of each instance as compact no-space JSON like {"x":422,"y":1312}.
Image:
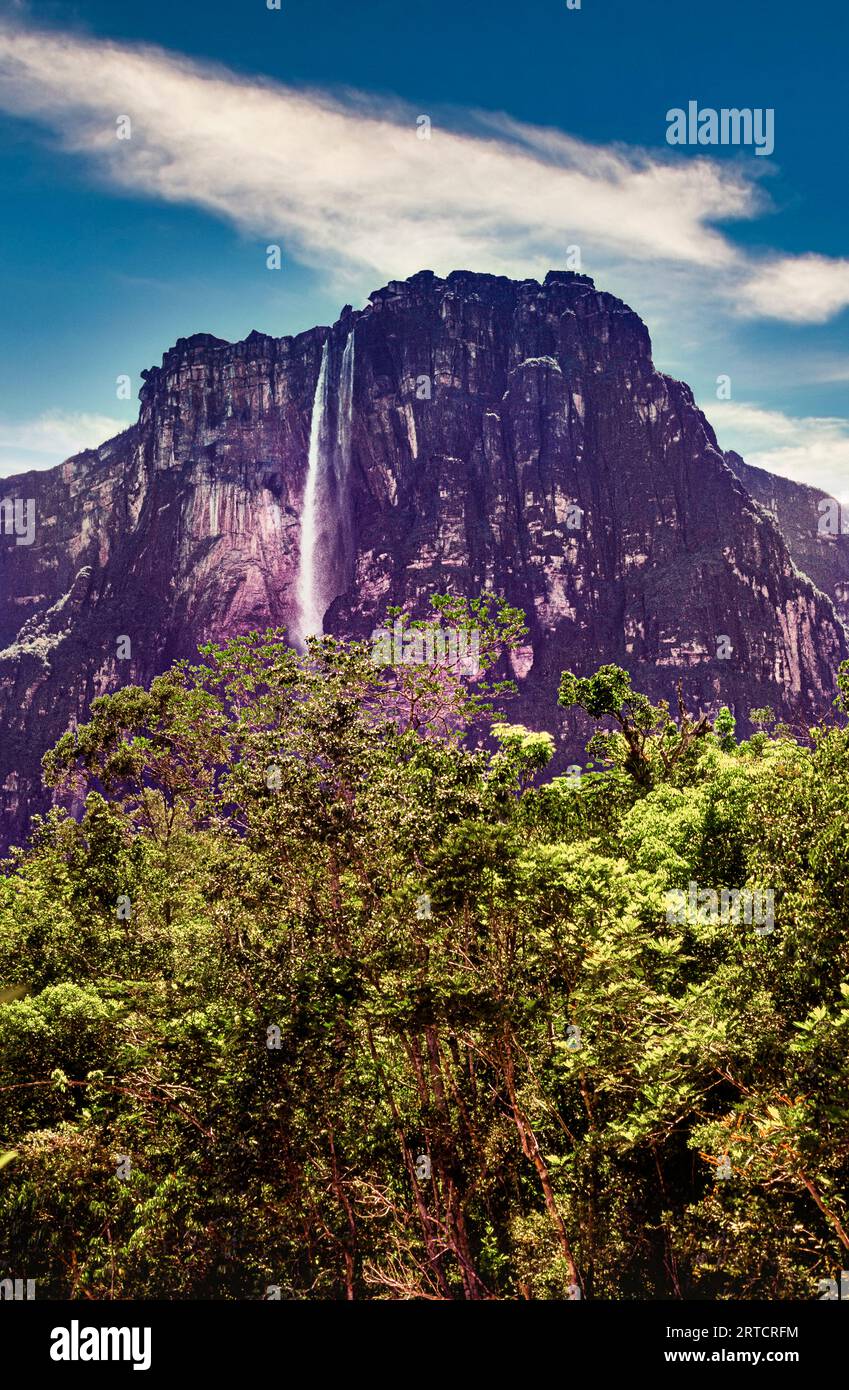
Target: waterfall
{"x":346,"y":408}
{"x":309,"y":610}
{"x":343,"y":550}
{"x":326,"y":518}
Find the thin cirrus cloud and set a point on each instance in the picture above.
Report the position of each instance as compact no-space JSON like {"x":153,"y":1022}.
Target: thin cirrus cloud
{"x":345,"y":183}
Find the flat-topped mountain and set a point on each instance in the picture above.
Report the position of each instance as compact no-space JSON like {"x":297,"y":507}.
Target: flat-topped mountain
{"x":462,"y":434}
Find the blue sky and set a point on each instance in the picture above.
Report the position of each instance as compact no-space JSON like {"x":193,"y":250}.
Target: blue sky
{"x":253,"y":126}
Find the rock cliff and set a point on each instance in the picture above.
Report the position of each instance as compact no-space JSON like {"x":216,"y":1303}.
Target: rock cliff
{"x":463,"y":433}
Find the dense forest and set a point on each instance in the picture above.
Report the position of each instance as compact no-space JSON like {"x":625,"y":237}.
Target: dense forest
{"x":327,"y":990}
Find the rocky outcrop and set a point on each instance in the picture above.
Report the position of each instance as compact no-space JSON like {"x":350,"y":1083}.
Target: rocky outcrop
{"x":493,"y":434}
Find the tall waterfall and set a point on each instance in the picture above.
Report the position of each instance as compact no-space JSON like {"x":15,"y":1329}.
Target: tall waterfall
{"x":326,"y":517}
{"x":346,"y":405}
{"x":310,"y":613}
{"x":344,"y":550}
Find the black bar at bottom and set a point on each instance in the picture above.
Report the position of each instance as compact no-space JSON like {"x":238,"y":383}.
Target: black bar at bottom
{"x":88,"y":1340}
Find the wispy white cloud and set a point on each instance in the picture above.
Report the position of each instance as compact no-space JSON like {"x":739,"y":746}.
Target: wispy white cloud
{"x":808,"y":449}
{"x":831,"y":372}
{"x":346,"y":184}
{"x":797,"y":289}
{"x":51,"y":438}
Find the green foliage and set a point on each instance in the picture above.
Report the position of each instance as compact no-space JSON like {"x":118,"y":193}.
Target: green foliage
{"x":503,"y":1070}
{"x":649,"y":744}
{"x":724,"y":726}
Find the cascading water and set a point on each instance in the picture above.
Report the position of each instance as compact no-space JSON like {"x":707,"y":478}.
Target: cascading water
{"x":309,"y":611}
{"x":326,"y":520}
{"x":343,"y":551}
{"x":346,"y":406}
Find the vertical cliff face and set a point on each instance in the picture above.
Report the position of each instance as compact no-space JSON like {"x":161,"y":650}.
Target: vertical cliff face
{"x":555,"y":464}
{"x":813,"y":527}
{"x":462,"y":434}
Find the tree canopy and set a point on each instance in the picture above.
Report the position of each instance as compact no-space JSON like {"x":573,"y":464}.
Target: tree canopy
{"x":321,"y":991}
